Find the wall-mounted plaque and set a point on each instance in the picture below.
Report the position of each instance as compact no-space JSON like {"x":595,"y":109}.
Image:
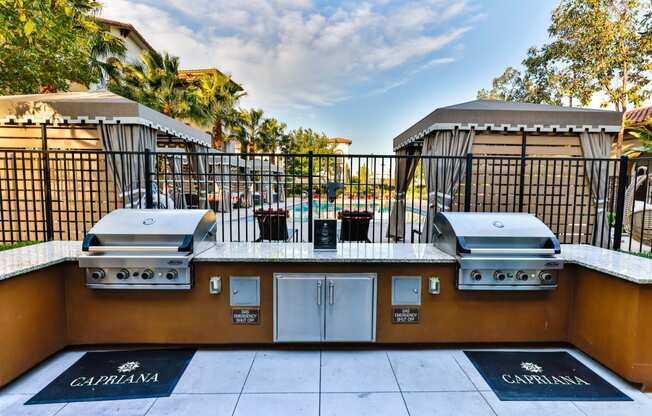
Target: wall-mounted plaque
{"x":405,"y":315}
{"x":245,"y":316}
{"x":325,"y":235}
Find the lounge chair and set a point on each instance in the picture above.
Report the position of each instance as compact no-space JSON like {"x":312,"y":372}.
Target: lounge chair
{"x":273,"y":225}
{"x":355,"y":225}
{"x":637,"y":220}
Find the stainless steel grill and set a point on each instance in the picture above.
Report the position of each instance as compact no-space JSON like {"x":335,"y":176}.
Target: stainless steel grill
{"x":499,"y":251}
{"x":146,"y":249}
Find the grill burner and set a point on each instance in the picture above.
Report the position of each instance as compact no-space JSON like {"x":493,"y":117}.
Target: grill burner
{"x":499,"y":251}
{"x":146,"y":249}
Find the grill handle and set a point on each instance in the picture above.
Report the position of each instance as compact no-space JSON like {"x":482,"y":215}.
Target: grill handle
{"x":133,"y":249}
{"x":92,"y":244}
{"x":512,"y":250}
{"x":550,"y":247}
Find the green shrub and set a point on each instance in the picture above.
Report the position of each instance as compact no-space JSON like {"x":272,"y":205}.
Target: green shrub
{"x":10,"y":246}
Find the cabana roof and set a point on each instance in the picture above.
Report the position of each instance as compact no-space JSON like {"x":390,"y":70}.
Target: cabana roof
{"x":503,"y":116}
{"x":92,"y":108}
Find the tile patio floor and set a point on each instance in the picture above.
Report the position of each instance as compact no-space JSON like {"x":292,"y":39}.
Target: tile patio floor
{"x":328,"y":382}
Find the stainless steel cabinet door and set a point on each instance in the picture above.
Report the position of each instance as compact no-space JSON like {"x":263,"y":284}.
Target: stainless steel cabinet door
{"x":298,"y":307}
{"x":350,"y":313}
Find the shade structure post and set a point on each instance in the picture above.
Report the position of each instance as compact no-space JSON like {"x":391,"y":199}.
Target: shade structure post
{"x":47,"y":185}
{"x":620,"y":202}
{"x":149,"y":201}
{"x":468,"y":179}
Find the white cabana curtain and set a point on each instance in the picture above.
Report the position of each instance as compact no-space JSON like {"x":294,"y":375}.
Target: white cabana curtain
{"x":280,"y":186}
{"x":598,"y":146}
{"x":128,"y":169}
{"x":176,"y":166}
{"x":224,"y":184}
{"x":405,"y":168}
{"x":197,"y":164}
{"x":443,"y":175}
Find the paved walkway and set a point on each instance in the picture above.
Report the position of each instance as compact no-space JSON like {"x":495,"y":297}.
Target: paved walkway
{"x":328,"y":382}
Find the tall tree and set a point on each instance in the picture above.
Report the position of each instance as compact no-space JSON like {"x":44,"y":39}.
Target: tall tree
{"x":606,"y":39}
{"x":46,"y":45}
{"x":275,"y":137}
{"x":507,"y":87}
{"x":157,"y":85}
{"x":219,"y":95}
{"x":302,"y":141}
{"x":248,"y":130}
{"x":597,"y":48}
{"x":554,"y":75}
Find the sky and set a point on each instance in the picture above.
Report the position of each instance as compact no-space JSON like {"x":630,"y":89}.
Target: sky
{"x":363,"y":70}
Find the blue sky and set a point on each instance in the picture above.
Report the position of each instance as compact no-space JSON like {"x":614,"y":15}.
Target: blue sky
{"x":363,"y":70}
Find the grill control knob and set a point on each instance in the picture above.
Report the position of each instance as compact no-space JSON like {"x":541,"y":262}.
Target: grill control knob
{"x":498,"y":275}
{"x":147,"y":274}
{"x":476,"y":275}
{"x":545,"y":277}
{"x":171,"y":275}
{"x":98,"y":274}
{"x":520,"y":275}
{"x":122,"y":274}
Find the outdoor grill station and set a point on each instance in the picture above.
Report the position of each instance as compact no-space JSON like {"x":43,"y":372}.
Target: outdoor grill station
{"x":488,"y":279}
{"x":160,"y":278}
{"x":154,"y":250}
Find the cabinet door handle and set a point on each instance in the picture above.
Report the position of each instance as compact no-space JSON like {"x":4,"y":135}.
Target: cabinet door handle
{"x":318,"y":293}
{"x":331,"y":292}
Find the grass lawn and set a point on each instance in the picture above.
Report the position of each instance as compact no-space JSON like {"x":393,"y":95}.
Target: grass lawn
{"x":9,"y":246}
{"x":646,"y":255}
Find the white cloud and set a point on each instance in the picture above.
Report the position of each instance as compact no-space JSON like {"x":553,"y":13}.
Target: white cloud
{"x":292,"y":54}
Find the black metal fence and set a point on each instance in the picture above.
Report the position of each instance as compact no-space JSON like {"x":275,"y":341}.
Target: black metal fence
{"x":48,"y":195}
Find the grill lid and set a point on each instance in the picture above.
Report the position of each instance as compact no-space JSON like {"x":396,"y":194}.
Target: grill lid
{"x":496,"y":224}
{"x":142,"y":230}
{"x":495,"y":233}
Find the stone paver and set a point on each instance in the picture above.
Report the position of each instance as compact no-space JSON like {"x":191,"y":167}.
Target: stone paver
{"x":416,"y":370}
{"x":363,"y":404}
{"x":467,"y":403}
{"x":281,"y":404}
{"x":427,"y":382}
{"x":357,"y":371}
{"x":194,"y":405}
{"x":284,"y":372}
{"x":214,"y":371}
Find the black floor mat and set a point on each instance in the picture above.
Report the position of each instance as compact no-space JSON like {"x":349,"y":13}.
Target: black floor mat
{"x":550,"y":376}
{"x":117,"y":375}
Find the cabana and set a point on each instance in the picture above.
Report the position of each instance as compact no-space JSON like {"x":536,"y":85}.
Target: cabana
{"x":78,"y":129}
{"x":268,"y":179}
{"x":498,"y":128}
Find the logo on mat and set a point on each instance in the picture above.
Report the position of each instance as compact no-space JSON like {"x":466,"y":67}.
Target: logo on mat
{"x":128,"y":367}
{"x":531,"y":367}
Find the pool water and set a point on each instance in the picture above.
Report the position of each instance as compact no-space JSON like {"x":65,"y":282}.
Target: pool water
{"x":325,"y":207}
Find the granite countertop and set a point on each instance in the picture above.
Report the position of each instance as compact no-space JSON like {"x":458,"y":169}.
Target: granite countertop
{"x":621,"y":265}
{"x":38,"y":256}
{"x":303,"y":253}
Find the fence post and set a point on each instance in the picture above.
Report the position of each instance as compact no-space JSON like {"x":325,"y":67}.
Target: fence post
{"x":47,"y":185}
{"x":521,"y":183}
{"x":149,"y":200}
{"x":620,"y":202}
{"x":310,"y":173}
{"x":468,"y":179}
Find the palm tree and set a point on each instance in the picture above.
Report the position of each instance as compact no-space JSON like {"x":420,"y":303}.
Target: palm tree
{"x":275,"y":138}
{"x":642,"y":132}
{"x":248,"y":129}
{"x":218,"y":94}
{"x":106,"y":52}
{"x":157,"y":85}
